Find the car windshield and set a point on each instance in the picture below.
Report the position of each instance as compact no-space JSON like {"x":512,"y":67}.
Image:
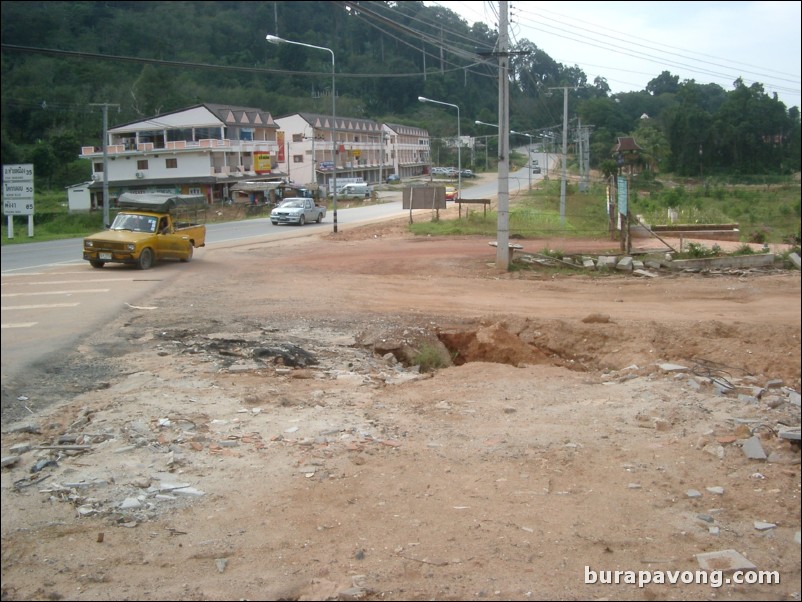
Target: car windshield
{"x":136,"y":223}
{"x":292,"y":203}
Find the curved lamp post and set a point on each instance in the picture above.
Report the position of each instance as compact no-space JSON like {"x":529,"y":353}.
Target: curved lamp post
{"x":459,"y":143}
{"x":492,"y":125}
{"x":278,"y":40}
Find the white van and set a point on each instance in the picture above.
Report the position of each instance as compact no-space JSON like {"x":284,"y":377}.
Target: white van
{"x":359,"y":190}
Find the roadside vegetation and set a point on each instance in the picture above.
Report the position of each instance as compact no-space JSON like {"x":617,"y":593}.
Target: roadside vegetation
{"x":767,"y":210}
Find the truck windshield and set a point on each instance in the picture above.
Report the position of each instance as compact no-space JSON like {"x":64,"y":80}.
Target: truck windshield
{"x":135,"y":223}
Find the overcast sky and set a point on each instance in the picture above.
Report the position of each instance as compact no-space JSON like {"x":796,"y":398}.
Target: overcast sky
{"x":631,"y":43}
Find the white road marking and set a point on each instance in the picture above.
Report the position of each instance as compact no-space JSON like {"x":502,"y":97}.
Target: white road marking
{"x":49,"y":306}
{"x":91,"y":290}
{"x":49,"y":282}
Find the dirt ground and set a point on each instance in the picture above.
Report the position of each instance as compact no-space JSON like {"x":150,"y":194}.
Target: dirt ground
{"x":274,"y":438}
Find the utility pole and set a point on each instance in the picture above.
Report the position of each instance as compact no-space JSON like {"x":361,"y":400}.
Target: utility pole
{"x":503,"y":54}
{"x":105,"y":106}
{"x":503,"y":234}
{"x":565,"y":149}
{"x":583,"y":156}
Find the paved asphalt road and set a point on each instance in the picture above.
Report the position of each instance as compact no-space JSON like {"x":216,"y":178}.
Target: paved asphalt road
{"x":33,"y":257}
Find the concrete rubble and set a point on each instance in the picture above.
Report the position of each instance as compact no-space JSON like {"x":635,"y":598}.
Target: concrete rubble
{"x":650,"y":266}
{"x":57,"y":466}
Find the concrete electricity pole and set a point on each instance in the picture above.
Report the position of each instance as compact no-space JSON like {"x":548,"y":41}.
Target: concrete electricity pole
{"x":503,"y":228}
{"x":105,"y":107}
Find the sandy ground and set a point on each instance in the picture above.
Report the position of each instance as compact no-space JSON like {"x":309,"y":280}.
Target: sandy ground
{"x":273,"y":438}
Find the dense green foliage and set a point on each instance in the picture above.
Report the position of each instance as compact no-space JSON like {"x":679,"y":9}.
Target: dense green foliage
{"x":147,"y":58}
{"x":62,"y":60}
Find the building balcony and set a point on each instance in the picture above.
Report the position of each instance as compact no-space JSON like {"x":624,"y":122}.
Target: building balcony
{"x":183,"y":146}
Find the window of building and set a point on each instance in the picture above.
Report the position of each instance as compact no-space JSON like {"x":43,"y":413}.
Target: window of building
{"x":171,"y":163}
{"x":297,"y":137}
{"x":207,"y":133}
{"x":141,"y":164}
{"x":155,"y":138}
{"x":297,"y":158}
{"x":179,"y":134}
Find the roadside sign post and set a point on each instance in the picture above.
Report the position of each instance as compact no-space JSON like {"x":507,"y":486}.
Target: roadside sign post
{"x":623,"y":212}
{"x":18,"y":194}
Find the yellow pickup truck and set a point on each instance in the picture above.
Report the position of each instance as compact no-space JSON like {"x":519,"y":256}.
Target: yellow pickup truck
{"x":148,"y":228}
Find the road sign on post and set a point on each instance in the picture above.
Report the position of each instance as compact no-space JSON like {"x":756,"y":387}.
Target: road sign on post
{"x":18,"y":194}
{"x":623,"y":212}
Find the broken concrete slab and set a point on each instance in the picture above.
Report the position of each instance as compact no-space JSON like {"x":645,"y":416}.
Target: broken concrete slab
{"x":753,"y":449}
{"x":724,"y":560}
{"x":672,"y":367}
{"x":624,"y":265}
{"x":605,"y":262}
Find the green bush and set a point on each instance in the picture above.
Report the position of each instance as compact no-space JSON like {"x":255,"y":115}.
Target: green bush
{"x":429,"y":358}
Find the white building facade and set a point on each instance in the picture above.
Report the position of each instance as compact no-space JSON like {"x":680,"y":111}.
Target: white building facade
{"x":203,"y":149}
{"x":363,"y":149}
{"x":209,"y":148}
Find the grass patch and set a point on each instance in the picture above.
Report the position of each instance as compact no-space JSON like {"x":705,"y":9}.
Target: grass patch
{"x":764,"y":213}
{"x":429,"y":358}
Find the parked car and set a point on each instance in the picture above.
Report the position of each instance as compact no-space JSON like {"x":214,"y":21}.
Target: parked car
{"x":393,"y":178}
{"x":355,"y":190}
{"x":451,"y":193}
{"x":297,"y":210}
{"x":467,"y":173}
{"x":536,"y":169}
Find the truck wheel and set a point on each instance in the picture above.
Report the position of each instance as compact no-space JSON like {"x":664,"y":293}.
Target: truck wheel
{"x":96,"y":264}
{"x":301,"y":220}
{"x":189,"y":253}
{"x":274,"y":223}
{"x":145,"y":259}
{"x":319,"y":218}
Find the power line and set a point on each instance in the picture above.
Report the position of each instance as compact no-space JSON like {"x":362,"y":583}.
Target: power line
{"x":184,"y":65}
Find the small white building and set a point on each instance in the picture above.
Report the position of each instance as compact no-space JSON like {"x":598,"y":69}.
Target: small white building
{"x":79,"y":197}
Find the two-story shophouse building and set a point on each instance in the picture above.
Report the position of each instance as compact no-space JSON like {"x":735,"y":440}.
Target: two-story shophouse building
{"x":218,"y":150}
{"x":364,"y":149}
{"x":204,"y":149}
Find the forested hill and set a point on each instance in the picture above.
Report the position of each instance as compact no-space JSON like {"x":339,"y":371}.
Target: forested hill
{"x":62,"y":60}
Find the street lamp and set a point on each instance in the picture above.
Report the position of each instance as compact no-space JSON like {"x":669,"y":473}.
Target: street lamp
{"x":276,"y":40}
{"x":550,"y":138}
{"x":529,"y":153}
{"x":492,"y":125}
{"x":485,"y":141}
{"x":459,"y":142}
